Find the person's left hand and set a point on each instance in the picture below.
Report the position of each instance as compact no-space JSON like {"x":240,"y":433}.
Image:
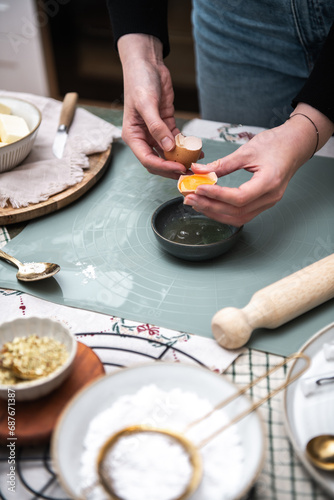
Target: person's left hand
{"x":272,"y":156}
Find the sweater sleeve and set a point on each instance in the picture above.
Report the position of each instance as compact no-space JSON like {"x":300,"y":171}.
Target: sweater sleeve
{"x":318,"y":91}
{"x":140,"y":16}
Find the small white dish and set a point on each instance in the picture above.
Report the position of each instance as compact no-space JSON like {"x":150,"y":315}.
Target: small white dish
{"x":13,"y":154}
{"x":67,"y":444}
{"x":41,"y":327}
{"x":309,"y":416}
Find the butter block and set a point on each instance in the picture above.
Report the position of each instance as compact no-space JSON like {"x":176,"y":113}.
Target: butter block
{"x":12,"y":128}
{"x":5,"y":110}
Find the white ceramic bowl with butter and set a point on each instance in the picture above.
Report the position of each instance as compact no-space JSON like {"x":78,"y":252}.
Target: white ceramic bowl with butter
{"x":42,"y":327}
{"x":13,"y":154}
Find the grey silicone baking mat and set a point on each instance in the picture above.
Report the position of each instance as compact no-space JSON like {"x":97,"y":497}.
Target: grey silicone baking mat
{"x":111,"y":263}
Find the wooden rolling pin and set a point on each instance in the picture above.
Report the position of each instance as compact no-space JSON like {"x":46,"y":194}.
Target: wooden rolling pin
{"x":276,"y":304}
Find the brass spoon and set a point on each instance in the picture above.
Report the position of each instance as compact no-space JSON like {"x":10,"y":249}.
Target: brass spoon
{"x":31,"y":271}
{"x":320,"y":451}
{"x":19,"y":373}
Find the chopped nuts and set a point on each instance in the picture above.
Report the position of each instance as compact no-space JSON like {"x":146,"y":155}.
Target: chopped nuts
{"x":7,"y":378}
{"x":30,"y":358}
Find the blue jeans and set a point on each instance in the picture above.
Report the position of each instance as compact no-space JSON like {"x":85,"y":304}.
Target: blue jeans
{"x":253,"y":56}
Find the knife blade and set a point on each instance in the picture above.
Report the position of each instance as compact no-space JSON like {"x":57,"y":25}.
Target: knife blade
{"x":65,"y":120}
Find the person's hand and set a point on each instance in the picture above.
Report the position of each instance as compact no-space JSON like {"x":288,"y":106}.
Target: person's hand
{"x":272,"y":168}
{"x":149,"y":125}
{"x":273,"y":157}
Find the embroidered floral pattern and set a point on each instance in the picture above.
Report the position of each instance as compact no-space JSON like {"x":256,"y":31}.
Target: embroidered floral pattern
{"x":151,"y":330}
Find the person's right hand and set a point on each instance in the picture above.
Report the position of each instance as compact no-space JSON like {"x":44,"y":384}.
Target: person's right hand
{"x":272,"y":157}
{"x":149,"y":125}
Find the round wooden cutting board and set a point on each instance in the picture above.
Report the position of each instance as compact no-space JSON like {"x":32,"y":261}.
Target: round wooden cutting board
{"x":35,"y":420}
{"x":98,"y":164}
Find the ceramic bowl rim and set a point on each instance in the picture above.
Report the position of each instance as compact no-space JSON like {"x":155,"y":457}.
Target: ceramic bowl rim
{"x":25,"y":386}
{"x":3,"y":148}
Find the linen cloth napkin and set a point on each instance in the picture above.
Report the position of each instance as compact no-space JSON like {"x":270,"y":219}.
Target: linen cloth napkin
{"x":41,"y":175}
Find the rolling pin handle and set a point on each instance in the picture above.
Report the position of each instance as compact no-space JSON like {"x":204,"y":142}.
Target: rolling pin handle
{"x":236,"y":331}
{"x":276,"y":304}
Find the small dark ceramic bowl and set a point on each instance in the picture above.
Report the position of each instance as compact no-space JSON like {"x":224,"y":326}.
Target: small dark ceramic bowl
{"x":189,"y":235}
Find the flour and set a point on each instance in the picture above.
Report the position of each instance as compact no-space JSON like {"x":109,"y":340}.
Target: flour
{"x":148,"y":459}
{"x":89,"y":272}
{"x":222,"y":457}
{"x":34,"y":267}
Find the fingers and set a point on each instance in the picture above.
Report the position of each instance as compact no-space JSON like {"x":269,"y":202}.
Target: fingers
{"x":157,"y":128}
{"x":238,"y":205}
{"x":138,"y":138}
{"x":156,"y":110}
{"x":153,"y":163}
{"x":240,"y":159}
{"x":226,"y":213}
{"x":148,"y":135}
{"x":235,"y":220}
{"x":262,"y":183}
{"x":151,"y":127}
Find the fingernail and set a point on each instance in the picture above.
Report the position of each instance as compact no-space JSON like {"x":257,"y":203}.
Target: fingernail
{"x":188,"y":200}
{"x":167,"y":144}
{"x":199,"y":166}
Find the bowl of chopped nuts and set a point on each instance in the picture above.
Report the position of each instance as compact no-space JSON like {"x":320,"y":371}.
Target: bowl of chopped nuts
{"x":36,"y":356}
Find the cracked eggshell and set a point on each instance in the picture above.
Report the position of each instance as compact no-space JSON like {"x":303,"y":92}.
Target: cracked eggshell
{"x":210,"y":178}
{"x":187,"y":150}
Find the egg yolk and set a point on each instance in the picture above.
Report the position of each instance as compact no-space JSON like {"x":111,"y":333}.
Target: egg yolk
{"x":191,"y":182}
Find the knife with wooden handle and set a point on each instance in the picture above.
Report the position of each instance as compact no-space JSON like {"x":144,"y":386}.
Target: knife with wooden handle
{"x":276,"y":304}
{"x":65,"y":120}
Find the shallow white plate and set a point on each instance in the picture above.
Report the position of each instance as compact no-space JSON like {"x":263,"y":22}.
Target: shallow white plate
{"x":306,"y":417}
{"x":67,"y":440}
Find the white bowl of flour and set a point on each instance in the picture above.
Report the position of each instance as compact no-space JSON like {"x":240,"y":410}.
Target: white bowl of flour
{"x":164,"y":395}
